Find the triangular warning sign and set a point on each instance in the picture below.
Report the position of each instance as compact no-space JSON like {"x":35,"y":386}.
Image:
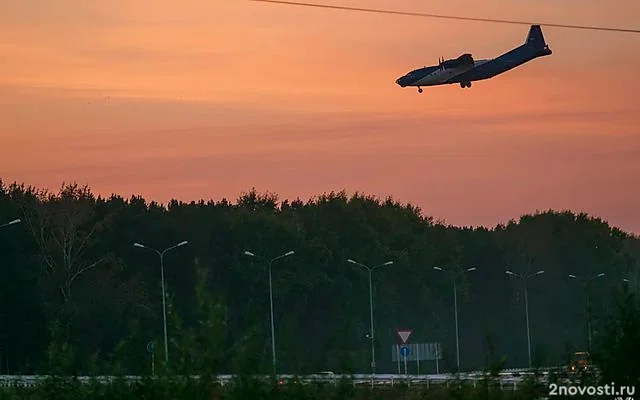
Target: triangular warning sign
{"x":404,"y":335}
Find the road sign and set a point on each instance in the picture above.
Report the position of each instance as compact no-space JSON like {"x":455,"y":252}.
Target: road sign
{"x":404,"y":335}
{"x":404,"y":351}
{"x":418,"y":351}
{"x":150,"y":347}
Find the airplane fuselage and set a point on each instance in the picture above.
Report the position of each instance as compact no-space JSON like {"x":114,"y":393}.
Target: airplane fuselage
{"x":465,"y":70}
{"x":440,"y":76}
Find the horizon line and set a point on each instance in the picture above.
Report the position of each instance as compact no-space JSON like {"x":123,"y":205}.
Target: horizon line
{"x":349,"y":195}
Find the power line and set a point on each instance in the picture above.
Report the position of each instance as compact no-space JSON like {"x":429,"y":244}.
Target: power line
{"x":425,"y":15}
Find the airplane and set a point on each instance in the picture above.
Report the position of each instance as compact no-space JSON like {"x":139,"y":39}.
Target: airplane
{"x":465,"y":69}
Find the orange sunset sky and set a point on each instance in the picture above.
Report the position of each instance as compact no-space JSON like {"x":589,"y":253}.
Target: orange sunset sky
{"x":208,"y":98}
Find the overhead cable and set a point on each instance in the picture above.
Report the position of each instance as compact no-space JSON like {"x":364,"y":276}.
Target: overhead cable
{"x":425,"y":15}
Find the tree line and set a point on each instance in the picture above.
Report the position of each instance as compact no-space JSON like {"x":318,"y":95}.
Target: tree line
{"x":79,"y":297}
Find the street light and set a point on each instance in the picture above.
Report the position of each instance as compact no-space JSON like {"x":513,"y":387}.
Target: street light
{"x":273,"y":339}
{"x":15,"y":221}
{"x":164,"y":307}
{"x":631,"y":282}
{"x":455,"y":302}
{"x":373,"y":349}
{"x":526,"y":305}
{"x":586,"y":282}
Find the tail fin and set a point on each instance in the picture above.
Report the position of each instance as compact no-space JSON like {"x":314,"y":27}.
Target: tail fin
{"x":535,"y":37}
{"x":535,"y":42}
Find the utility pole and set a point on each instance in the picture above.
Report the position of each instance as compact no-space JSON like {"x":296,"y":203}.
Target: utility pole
{"x":455,"y":310}
{"x":587,"y":285}
{"x":524,"y":279}
{"x":164,"y":306}
{"x":273,"y":335}
{"x":371,"y":335}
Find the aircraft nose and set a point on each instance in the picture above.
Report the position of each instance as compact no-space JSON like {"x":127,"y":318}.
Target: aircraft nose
{"x":400,"y":81}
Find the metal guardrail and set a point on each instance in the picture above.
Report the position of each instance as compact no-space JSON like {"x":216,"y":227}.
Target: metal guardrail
{"x":506,"y":378}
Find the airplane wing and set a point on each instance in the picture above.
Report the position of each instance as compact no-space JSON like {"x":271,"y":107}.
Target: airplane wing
{"x":462,"y":62}
{"x":451,"y":69}
{"x":468,"y":71}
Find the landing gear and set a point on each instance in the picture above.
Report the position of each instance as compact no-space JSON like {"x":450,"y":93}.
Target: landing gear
{"x":419,"y":90}
{"x":465,"y":84}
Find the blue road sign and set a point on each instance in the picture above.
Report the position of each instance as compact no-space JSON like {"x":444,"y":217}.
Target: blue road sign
{"x":404,"y":351}
{"x":150,"y":347}
{"x":417,"y":351}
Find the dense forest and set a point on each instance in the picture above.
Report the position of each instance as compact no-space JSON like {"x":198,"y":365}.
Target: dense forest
{"x":79,"y":297}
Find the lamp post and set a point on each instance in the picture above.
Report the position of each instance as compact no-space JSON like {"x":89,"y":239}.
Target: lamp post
{"x":371,"y":336}
{"x":632,"y":281}
{"x":15,"y":221}
{"x":164,"y":306}
{"x":455,"y":308}
{"x":526,"y":305}
{"x":273,"y":339}
{"x":586,"y":282}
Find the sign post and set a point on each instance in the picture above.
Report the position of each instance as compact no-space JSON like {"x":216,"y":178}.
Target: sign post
{"x":437,"y":356}
{"x":404,"y":352}
{"x":153,"y":364}
{"x":417,"y":360}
